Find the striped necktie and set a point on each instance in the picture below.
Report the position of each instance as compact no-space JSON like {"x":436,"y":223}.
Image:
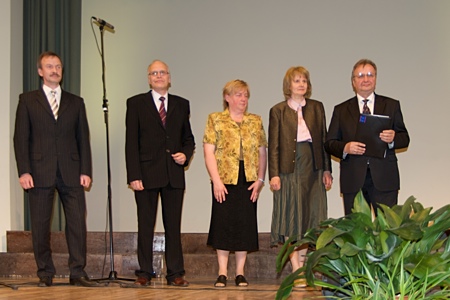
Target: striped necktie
{"x":162,"y":111}
{"x":54,"y":104}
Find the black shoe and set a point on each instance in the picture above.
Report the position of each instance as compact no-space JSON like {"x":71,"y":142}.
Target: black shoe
{"x":84,"y":281}
{"x":221,"y":281}
{"x":45,"y":281}
{"x":241,"y":281}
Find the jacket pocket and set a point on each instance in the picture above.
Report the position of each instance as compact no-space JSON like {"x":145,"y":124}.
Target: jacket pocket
{"x":145,"y":157}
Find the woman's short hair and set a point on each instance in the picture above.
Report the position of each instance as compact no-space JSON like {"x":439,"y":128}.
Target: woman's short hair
{"x":289,"y":77}
{"x":232,"y":87}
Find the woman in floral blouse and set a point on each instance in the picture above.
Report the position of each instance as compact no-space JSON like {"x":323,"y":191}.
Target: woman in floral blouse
{"x":234,"y":146}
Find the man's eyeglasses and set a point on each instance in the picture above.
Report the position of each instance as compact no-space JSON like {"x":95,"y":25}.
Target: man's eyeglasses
{"x":362,"y":75}
{"x":161,"y":73}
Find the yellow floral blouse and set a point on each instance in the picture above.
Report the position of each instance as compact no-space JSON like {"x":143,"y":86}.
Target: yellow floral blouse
{"x":226,"y":135}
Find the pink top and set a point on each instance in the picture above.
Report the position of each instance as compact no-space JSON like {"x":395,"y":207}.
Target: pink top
{"x":303,"y":134}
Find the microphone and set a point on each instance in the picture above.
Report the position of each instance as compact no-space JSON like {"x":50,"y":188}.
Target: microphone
{"x":103,"y":23}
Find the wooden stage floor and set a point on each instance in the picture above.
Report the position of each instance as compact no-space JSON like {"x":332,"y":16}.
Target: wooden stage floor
{"x":199,"y":289}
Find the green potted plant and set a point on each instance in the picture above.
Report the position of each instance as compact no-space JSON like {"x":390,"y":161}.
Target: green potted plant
{"x":402,"y":253}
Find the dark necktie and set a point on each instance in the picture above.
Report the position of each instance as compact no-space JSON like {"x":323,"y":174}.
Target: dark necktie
{"x":162,"y":111}
{"x":366,"y":109}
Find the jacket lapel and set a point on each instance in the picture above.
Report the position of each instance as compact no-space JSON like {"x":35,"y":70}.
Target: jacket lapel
{"x":42,"y":100}
{"x":171,"y":105}
{"x":63,"y":104}
{"x":354,"y":113}
{"x":308,"y":115}
{"x":353,"y":109}
{"x":380,"y":105}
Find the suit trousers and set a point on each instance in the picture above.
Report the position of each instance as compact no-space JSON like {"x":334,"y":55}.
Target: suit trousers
{"x":147,"y":205}
{"x":372,"y":195}
{"x":41,"y":209}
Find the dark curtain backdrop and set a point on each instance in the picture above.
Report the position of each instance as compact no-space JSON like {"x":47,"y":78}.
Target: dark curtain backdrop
{"x":51,"y":25}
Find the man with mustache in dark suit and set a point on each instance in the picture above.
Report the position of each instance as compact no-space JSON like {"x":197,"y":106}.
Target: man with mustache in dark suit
{"x":52,"y":147}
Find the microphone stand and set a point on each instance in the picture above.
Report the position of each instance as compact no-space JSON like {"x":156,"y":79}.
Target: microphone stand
{"x":112,"y":274}
{"x":12,"y":286}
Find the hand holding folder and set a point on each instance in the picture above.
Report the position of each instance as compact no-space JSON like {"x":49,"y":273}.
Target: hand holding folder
{"x":368,"y":132}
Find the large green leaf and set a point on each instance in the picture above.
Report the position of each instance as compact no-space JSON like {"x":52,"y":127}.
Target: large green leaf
{"x":350,"y":249}
{"x":284,"y":253}
{"x":393,"y":219}
{"x":439,"y":212}
{"x":338,"y":265}
{"x":327,"y":236}
{"x":409,"y":231}
{"x":434,"y":232}
{"x":388,"y":242}
{"x":406,"y":208}
{"x":446,"y":250}
{"x":286,"y":286}
{"x":361,"y":220}
{"x":417,"y":206}
{"x":424,"y":264}
{"x":380,"y":222}
{"x":421,"y":216}
{"x":360,"y":205}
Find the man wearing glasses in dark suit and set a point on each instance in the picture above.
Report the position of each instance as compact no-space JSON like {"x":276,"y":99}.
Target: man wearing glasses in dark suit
{"x":159,"y":145}
{"x":378,"y":178}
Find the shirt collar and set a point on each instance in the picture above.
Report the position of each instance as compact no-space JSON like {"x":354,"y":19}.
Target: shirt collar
{"x":371,"y":98}
{"x":47,"y":90}
{"x":157,"y":95}
{"x":295,"y":105}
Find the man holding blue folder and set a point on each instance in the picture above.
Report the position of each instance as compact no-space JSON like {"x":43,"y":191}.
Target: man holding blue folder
{"x":377,"y":177}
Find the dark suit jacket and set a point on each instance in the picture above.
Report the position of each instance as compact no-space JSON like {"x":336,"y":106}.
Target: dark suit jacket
{"x":149,"y":145}
{"x":43,"y":144}
{"x":283,"y":137}
{"x":384,"y":171}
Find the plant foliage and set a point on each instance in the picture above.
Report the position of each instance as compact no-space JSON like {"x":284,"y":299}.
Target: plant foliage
{"x":403,"y":252}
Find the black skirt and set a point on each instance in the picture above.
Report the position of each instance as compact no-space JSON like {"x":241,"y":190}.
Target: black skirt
{"x":234,"y":225}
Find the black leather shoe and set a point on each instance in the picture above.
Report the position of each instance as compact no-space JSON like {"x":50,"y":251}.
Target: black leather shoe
{"x":84,"y":281}
{"x":45,"y":281}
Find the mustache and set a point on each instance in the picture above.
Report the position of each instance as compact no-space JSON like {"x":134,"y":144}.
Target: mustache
{"x":54,"y":74}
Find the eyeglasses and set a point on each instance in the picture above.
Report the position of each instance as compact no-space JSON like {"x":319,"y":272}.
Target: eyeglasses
{"x":161,"y":73}
{"x":360,"y":75}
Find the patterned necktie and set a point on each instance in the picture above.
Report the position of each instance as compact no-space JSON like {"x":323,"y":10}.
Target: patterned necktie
{"x":366,"y":109}
{"x":162,"y":111}
{"x":54,"y":104}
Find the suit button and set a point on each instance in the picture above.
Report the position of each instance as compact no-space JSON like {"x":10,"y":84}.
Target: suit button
{"x":167,"y":150}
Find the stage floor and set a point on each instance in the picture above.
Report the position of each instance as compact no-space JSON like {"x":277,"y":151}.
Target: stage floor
{"x":199,"y":289}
